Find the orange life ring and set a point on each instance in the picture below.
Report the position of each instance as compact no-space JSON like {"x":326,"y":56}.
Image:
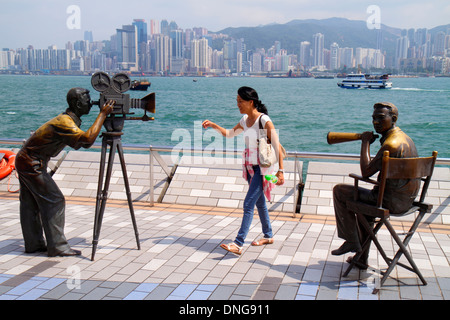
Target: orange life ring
{"x":7,"y":164}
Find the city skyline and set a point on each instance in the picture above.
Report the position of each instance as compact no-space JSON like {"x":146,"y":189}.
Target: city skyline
{"x":49,"y":22}
{"x":168,"y":50}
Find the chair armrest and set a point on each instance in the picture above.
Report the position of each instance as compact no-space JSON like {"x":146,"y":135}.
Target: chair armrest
{"x":423,"y":206}
{"x":367,"y":209}
{"x":361,"y":178}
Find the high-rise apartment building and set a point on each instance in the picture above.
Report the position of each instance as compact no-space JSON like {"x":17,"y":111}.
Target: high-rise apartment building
{"x":318,"y":46}
{"x":88,"y":36}
{"x":188,"y":37}
{"x":200,"y":32}
{"x":127,"y":48}
{"x":176,"y":37}
{"x":141,"y":29}
{"x":200,"y":53}
{"x":177,"y":64}
{"x":203,"y":54}
{"x":401,"y":51}
{"x":346,"y":58}
{"x":154,"y":27}
{"x":162,"y":53}
{"x":164,"y":27}
{"x":305,"y":54}
{"x":334,"y":56}
{"x":217,"y":60}
{"x":6,"y":58}
{"x":230,"y":54}
{"x":440,"y":44}
{"x":257,"y":62}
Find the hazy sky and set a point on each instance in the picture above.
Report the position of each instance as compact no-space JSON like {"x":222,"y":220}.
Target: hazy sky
{"x":45,"y":22}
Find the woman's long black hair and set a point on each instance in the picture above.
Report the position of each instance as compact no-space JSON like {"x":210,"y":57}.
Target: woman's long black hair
{"x":247,"y":94}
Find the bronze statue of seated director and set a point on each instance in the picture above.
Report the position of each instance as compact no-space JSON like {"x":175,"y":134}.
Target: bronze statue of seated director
{"x":399,"y":194}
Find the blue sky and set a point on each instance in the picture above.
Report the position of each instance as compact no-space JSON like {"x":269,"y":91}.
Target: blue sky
{"x":44,"y":22}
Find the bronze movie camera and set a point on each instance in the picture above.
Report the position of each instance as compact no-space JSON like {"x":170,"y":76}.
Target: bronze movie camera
{"x":113,"y":89}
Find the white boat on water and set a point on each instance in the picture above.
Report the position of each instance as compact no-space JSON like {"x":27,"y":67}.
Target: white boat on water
{"x":367,"y":81}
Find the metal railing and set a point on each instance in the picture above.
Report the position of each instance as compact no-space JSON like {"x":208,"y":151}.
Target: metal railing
{"x":290,"y":154}
{"x":154,"y":154}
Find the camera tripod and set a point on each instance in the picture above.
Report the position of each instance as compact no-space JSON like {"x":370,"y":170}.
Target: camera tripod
{"x":114,"y":140}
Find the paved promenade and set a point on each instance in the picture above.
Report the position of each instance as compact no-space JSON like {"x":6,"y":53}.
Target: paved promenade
{"x":180,"y":257}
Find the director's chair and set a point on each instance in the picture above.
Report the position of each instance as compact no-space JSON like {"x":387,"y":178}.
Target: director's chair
{"x":392,"y":168}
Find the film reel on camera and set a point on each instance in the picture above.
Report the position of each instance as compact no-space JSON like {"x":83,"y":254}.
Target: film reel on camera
{"x":100,"y":81}
{"x":120,"y":82}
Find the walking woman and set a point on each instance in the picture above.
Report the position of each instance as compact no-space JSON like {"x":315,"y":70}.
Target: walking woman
{"x":259,"y":188}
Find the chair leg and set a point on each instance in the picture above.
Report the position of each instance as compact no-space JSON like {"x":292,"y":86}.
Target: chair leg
{"x":366,"y":244}
{"x":403,"y":250}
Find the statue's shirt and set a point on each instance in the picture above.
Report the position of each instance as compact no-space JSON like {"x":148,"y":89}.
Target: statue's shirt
{"x":50,"y":139}
{"x":399,"y":194}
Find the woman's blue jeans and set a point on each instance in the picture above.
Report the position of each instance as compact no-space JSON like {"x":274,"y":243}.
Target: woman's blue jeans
{"x":255,"y":196}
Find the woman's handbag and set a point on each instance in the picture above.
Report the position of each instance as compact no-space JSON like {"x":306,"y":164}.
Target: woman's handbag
{"x":266,"y":152}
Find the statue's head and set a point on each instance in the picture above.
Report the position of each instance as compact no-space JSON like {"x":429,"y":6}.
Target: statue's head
{"x":385,"y":115}
{"x":79,"y":101}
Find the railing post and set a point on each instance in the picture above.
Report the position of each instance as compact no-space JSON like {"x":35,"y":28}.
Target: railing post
{"x":152,"y":180}
{"x":298,"y":187}
{"x":294,"y":204}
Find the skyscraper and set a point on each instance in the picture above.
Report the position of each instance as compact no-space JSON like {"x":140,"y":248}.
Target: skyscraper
{"x":177,"y":43}
{"x":305,"y":54}
{"x":203,"y":54}
{"x":88,"y":36}
{"x":177,"y":64}
{"x":154,"y":27}
{"x":141,"y":28}
{"x":440,"y":44}
{"x":334,"y":56}
{"x":318,"y":46}
{"x":230,"y":54}
{"x":162,"y":53}
{"x":164,"y":27}
{"x":421,"y":36}
{"x":346,"y":57}
{"x":195,"y":55}
{"x":127,"y":48}
{"x":401,"y":51}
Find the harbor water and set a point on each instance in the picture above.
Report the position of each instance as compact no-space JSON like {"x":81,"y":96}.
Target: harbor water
{"x":304,"y":110}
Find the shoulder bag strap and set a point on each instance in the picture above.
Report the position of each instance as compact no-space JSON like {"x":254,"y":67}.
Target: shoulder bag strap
{"x":262,"y":128}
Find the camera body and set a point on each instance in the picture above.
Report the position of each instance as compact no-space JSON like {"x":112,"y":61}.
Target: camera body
{"x":113,"y":89}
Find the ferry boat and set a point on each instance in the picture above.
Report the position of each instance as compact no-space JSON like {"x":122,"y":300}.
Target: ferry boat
{"x":367,"y":81}
{"x":141,"y":85}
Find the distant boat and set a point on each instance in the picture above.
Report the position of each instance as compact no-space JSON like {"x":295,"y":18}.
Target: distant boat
{"x":324,"y":77}
{"x":141,"y":85}
{"x":366,"y":81}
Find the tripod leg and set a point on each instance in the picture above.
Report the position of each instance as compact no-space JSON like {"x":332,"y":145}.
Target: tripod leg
{"x":102,"y":195}
{"x":127,"y":189}
{"x":99,"y":196}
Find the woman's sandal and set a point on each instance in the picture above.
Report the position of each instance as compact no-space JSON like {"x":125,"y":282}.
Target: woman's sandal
{"x":262,"y":241}
{"x":232,"y":247}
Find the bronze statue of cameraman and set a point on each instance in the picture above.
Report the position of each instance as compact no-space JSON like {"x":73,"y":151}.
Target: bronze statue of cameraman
{"x":42,"y":204}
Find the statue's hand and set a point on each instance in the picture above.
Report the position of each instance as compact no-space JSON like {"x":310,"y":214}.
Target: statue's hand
{"x":108,"y":107}
{"x":368,"y":136}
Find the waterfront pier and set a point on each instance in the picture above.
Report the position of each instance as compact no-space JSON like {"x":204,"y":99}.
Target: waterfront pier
{"x":185,"y":208}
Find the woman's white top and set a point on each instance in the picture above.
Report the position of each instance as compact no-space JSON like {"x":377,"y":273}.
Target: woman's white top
{"x":251,"y":135}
